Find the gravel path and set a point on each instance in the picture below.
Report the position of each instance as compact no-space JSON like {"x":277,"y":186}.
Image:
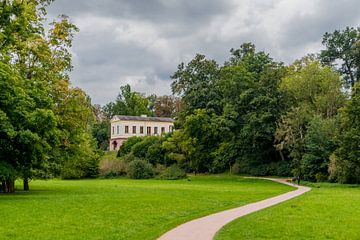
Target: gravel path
{"x":206,"y":227}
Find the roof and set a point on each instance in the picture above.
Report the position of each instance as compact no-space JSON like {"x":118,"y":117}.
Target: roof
{"x":142,"y":118}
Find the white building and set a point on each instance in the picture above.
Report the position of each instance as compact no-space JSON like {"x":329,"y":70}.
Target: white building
{"x":123,"y":127}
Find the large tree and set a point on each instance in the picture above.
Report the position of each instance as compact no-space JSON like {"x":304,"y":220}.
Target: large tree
{"x":312,"y":90}
{"x":252,"y":104}
{"x":340,"y":53}
{"x":128,"y":102}
{"x":167,"y":106}
{"x":345,"y":162}
{"x":195,"y":82}
{"x":40,"y":63}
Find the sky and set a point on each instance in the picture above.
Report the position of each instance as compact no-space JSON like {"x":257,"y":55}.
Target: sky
{"x":141,"y":42}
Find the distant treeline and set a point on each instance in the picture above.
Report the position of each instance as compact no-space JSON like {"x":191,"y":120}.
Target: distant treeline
{"x":253,"y":115}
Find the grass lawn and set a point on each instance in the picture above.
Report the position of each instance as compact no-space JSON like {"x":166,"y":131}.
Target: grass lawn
{"x":328,"y":211}
{"x":122,"y":208}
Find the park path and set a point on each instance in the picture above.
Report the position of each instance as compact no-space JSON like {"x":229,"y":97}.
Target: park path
{"x":206,"y":227}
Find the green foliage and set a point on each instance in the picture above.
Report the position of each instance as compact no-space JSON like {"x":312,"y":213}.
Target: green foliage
{"x":314,"y":91}
{"x":198,"y":127}
{"x":140,"y":169}
{"x":345,"y":166}
{"x":125,"y":148}
{"x":155,"y":154}
{"x":7,"y":172}
{"x":140,"y":149}
{"x":195,"y":82}
{"x":167,"y":106}
{"x":172,"y":173}
{"x":80,"y":163}
{"x":319,"y":145}
{"x":127,"y":103}
{"x":178,"y":149}
{"x":101,"y":132}
{"x":341,"y":47}
{"x":50,"y":121}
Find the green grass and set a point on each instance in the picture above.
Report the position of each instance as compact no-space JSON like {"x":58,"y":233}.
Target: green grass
{"x":329,"y":211}
{"x":122,"y":208}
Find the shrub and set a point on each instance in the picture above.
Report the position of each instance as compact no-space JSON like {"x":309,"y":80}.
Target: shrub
{"x":321,"y":177}
{"x":80,"y":168}
{"x":281,"y":168}
{"x":173,"y":172}
{"x":129,"y":158}
{"x":155,"y":154}
{"x":112,"y":168}
{"x":125,"y":148}
{"x":159,"y":168}
{"x":140,"y":169}
{"x":140,"y":149}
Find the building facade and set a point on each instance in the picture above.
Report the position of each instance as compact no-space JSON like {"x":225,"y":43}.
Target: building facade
{"x":123,"y":127}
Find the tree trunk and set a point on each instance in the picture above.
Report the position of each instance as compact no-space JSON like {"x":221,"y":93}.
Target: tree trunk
{"x":11,"y":186}
{"x":8,"y":186}
{"x":3,"y":187}
{"x":26,"y":184}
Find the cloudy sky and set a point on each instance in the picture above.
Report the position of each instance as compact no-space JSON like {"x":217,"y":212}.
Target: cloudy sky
{"x":141,"y":42}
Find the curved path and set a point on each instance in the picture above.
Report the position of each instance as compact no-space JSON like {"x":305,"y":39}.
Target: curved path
{"x":206,"y":227}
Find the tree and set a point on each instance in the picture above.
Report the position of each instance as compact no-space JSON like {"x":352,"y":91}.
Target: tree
{"x":199,"y":128}
{"x":45,"y":105}
{"x":179,"y":149}
{"x":127,"y":103}
{"x":195,"y":83}
{"x":319,"y":144}
{"x":339,"y":47}
{"x":101,"y":132}
{"x":29,"y":128}
{"x":251,"y":105}
{"x":345,"y":162}
{"x":313,"y":90}
{"x":167,"y":106}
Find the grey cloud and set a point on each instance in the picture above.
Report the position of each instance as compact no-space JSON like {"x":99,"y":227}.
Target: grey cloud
{"x":141,"y":42}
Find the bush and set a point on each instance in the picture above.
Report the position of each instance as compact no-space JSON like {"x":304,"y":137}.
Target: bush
{"x":321,"y":177}
{"x":129,"y":158}
{"x":140,"y":169}
{"x":140,"y":149}
{"x":125,"y":148}
{"x":155,"y":154}
{"x":80,"y":168}
{"x":281,"y":168}
{"x":172,"y":173}
{"x":112,"y":168}
{"x":159,"y":168}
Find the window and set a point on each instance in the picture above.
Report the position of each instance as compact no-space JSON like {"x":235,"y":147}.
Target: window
{"x":162,"y":130}
{"x":171,"y":128}
{"x":126,"y":129}
{"x":117,"y":129}
{"x":141,"y":129}
{"x":134,"y":129}
{"x":155,"y":130}
{"x":148,"y":130}
{"x":113,"y":130}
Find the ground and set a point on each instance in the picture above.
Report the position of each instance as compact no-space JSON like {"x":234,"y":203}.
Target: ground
{"x":328,"y":211}
{"x":122,"y":208}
